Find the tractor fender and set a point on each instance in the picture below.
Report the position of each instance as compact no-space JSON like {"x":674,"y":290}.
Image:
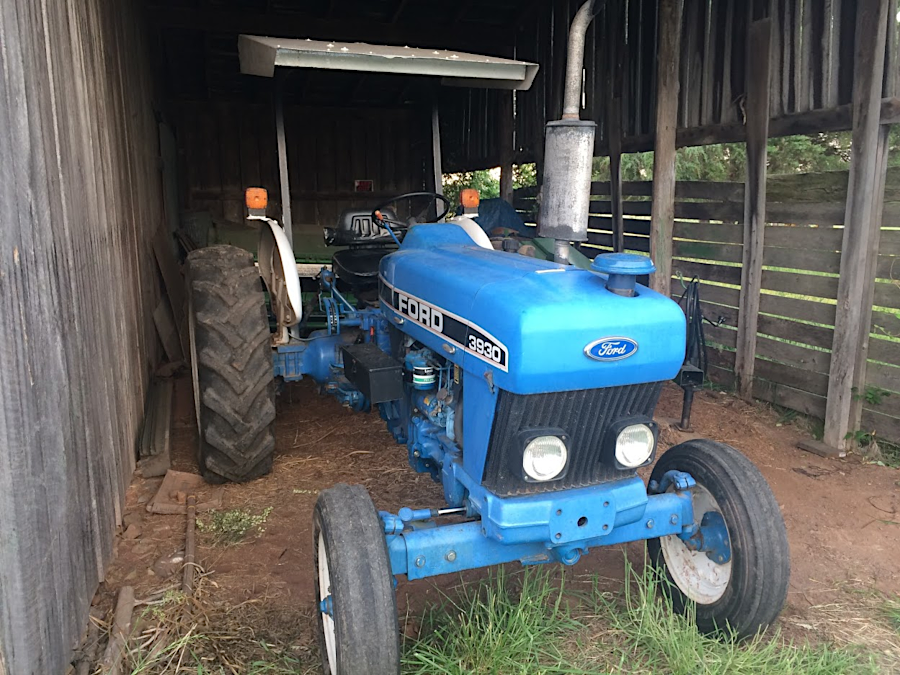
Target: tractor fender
{"x":278,"y":268}
{"x":474,"y":231}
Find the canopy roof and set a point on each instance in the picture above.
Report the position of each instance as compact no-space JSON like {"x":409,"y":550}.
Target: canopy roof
{"x":260,"y":55}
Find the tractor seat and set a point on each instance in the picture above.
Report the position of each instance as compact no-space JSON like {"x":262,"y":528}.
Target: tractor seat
{"x":358,"y":267}
{"x":355,"y":228}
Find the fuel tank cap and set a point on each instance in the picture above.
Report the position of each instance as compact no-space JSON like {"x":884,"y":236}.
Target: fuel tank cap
{"x":622,"y":268}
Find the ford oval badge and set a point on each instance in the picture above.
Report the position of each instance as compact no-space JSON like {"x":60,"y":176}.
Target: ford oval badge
{"x":611,"y":349}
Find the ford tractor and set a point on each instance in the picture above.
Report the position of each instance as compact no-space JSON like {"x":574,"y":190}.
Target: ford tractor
{"x":526,"y":388}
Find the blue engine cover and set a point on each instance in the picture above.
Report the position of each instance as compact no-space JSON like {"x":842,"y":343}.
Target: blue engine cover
{"x":535,"y":326}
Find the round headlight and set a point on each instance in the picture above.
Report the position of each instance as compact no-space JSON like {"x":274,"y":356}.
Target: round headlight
{"x":544,"y":458}
{"x":634,"y":445}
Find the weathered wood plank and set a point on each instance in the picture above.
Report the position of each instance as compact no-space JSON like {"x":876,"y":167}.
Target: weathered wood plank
{"x":806,"y":238}
{"x":607,"y":239}
{"x":707,"y":272}
{"x":798,"y":308}
{"x":803,"y":259}
{"x":800,"y":284}
{"x":886,"y":324}
{"x":726,"y":233}
{"x":723,"y":377}
{"x":721,"y":358}
{"x":798,"y":378}
{"x":721,"y":335}
{"x":788,"y":397}
{"x":885,"y":426}
{"x":757,"y":110}
{"x":884,"y":377}
{"x":684,"y":189}
{"x":884,"y":350}
{"x":794,"y":355}
{"x":632,"y":225}
{"x":721,"y":211}
{"x":862,"y":224}
{"x":707,"y":251}
{"x":663,"y":215}
{"x":803,"y":333}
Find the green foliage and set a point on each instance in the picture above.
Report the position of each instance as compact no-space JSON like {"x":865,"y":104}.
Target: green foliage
{"x":806,"y":154}
{"x":486,"y":181}
{"x":872,"y":395}
{"x":727,"y":161}
{"x":454,"y":183}
{"x":230,"y":527}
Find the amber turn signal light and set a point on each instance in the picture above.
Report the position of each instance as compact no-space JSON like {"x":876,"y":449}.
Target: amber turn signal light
{"x":470,"y":198}
{"x":256,"y":198}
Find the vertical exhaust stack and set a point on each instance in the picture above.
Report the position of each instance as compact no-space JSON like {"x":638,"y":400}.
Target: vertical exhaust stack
{"x":569,"y":151}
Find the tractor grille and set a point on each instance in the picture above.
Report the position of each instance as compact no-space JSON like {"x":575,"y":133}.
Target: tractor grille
{"x":584,"y":415}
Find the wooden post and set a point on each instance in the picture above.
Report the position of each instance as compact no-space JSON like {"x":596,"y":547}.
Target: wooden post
{"x":859,"y":383}
{"x":438,"y":173}
{"x":507,"y":149}
{"x":861,"y":225}
{"x":615,"y":174}
{"x":663,"y":210}
{"x":286,"y":220}
{"x":615,"y":50}
{"x":757,"y":111}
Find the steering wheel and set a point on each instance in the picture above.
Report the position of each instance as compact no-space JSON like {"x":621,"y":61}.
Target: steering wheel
{"x":379,"y":218}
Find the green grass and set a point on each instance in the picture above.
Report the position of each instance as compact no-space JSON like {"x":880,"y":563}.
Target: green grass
{"x":660,"y":641}
{"x":509,"y":624}
{"x":892,"y":612}
{"x":530,"y":623}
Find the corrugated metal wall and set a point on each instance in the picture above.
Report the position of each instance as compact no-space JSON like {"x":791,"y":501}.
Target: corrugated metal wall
{"x":79,"y":201}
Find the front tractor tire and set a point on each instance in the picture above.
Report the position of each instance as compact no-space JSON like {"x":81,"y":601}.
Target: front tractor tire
{"x":745,"y":593}
{"x":357,"y":607}
{"x":231,"y":365}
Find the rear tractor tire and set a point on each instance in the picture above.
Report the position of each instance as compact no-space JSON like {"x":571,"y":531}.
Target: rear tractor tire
{"x":740,"y":588}
{"x":231,"y":365}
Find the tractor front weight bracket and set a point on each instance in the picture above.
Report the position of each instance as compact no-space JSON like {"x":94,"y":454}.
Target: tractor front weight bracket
{"x":421,"y":549}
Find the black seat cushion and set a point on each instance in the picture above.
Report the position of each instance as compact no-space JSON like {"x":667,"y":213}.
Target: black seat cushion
{"x":358,"y":267}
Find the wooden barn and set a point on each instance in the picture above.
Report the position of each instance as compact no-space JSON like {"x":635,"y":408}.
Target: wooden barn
{"x":123,"y":123}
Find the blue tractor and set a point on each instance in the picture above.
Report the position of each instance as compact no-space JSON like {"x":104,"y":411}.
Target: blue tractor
{"x":525,"y":387}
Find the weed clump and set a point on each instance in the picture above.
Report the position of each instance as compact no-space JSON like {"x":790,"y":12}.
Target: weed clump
{"x":226,"y":528}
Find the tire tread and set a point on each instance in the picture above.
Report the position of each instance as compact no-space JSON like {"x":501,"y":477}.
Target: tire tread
{"x":234,"y":362}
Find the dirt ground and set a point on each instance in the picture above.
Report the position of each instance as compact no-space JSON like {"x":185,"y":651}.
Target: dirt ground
{"x":842,"y":515}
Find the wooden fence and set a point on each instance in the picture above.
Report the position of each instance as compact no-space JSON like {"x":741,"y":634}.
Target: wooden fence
{"x":801,"y":265}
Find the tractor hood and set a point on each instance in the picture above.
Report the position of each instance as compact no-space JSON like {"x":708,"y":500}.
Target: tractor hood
{"x":535,"y":326}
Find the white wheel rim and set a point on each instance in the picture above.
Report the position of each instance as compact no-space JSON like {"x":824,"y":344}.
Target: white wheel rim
{"x":324,"y":592}
{"x":697,"y":576}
